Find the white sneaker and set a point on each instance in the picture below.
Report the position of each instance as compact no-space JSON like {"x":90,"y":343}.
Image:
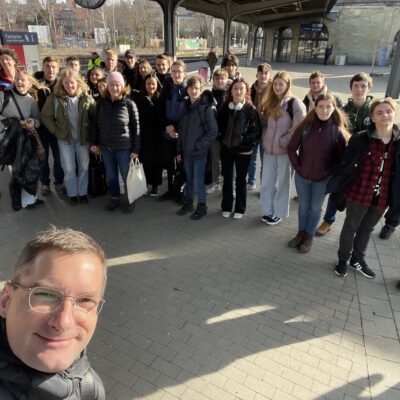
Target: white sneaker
{"x":251,"y":187}
{"x":226,"y":214}
{"x":213,"y":187}
{"x":237,"y":216}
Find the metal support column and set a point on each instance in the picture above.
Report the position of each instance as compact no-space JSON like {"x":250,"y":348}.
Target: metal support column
{"x":227,"y":29}
{"x":169,"y":27}
{"x":250,"y":44}
{"x":393,"y":87}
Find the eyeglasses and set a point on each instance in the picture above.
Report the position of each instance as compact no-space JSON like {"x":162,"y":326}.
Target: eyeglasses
{"x":45,"y":300}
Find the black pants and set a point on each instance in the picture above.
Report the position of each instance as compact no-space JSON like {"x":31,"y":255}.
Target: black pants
{"x":153,"y":174}
{"x":241,"y":162}
{"x":169,"y":161}
{"x":356,"y":231}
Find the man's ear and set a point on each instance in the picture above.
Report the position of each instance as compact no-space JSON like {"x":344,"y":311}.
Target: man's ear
{"x":5,"y":297}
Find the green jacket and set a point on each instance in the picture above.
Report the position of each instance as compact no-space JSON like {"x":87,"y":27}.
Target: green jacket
{"x":55,"y":117}
{"x":359,"y":118}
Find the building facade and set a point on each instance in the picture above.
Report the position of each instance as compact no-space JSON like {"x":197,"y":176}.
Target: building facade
{"x":365,"y":31}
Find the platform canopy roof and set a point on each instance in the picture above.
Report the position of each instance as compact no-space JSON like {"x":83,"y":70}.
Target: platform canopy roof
{"x":260,"y":12}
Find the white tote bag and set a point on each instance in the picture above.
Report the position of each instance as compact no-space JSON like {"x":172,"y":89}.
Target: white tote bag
{"x":136,"y":181}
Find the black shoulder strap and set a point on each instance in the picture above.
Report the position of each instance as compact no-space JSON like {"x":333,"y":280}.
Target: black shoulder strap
{"x":17,"y":105}
{"x":306,"y":129}
{"x":335,"y":134}
{"x":6,"y":99}
{"x":289,"y":108}
{"x":87,"y":386}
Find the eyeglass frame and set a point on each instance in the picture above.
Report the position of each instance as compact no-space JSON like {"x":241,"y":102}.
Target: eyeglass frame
{"x":17,"y":285}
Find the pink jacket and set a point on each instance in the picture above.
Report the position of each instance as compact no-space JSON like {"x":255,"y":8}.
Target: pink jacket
{"x":275,"y":133}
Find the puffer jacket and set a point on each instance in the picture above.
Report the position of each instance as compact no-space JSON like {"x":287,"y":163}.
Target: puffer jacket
{"x":117,"y":125}
{"x":197,"y":127}
{"x":314,"y":152}
{"x":359,"y":118}
{"x":277,"y":133}
{"x":55,"y":117}
{"x":245,"y":127}
{"x":19,"y":382}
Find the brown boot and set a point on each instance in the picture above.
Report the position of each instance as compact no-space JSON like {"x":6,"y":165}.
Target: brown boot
{"x":306,"y":244}
{"x":323,"y":229}
{"x":296,"y":241}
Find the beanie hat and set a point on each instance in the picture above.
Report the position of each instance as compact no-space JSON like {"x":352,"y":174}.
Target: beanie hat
{"x":115,"y":77}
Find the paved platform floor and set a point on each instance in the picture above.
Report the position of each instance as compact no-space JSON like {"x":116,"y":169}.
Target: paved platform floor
{"x":222,"y":309}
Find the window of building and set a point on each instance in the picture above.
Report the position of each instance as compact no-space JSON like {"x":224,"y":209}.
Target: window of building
{"x":258,"y":42}
{"x":282,"y":44}
{"x":312,"y":43}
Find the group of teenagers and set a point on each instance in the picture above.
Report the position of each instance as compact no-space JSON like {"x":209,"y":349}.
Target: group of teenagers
{"x":126,"y":110}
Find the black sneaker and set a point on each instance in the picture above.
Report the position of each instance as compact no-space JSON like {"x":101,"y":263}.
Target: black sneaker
{"x":127,"y":207}
{"x":341,"y":268}
{"x":83,"y":199}
{"x":199,"y":212}
{"x":186,"y":208}
{"x":265,"y":218}
{"x":112,"y":205}
{"x":386,"y":232}
{"x":273,"y":220}
{"x":362,"y":267}
{"x":73,"y":200}
{"x":154,"y":191}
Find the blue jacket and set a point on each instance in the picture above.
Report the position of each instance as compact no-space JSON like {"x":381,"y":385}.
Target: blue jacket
{"x":197,"y":127}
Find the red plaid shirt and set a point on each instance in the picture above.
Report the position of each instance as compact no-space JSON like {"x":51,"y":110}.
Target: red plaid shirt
{"x":362,"y":189}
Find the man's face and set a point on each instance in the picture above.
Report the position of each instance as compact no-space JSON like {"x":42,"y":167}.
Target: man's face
{"x":220,"y":82}
{"x":75,"y":65}
{"x":231,"y":69}
{"x":130,"y":61}
{"x":316,"y":85}
{"x":50,"y":70}
{"x":177,"y":74}
{"x":262,"y":77}
{"x":162,"y":66}
{"x":359,"y":90}
{"x":111,"y":63}
{"x":51,"y":342}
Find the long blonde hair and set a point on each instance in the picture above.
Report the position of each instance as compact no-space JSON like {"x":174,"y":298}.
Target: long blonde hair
{"x":338,"y":117}
{"x":35,"y":85}
{"x":272,"y":104}
{"x":59,"y":87}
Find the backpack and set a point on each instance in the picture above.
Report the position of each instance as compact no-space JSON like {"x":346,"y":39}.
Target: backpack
{"x":289,"y":108}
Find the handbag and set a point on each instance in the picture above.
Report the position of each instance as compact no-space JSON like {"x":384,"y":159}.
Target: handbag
{"x":136,"y":184}
{"x":31,"y":131}
{"x":97,"y":176}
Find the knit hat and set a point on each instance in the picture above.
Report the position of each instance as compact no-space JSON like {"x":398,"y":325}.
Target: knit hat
{"x":115,"y":77}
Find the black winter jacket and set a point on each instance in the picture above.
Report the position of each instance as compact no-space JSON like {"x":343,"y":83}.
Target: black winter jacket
{"x":246,"y":127}
{"x":20,"y":382}
{"x":355,"y":152}
{"x":151,"y":141}
{"x":117,"y":125}
{"x":197,"y":127}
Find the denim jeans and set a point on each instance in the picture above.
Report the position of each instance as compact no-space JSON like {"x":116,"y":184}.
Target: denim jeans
{"x":330,"y":212}
{"x":252,"y":180}
{"x":114,"y":159}
{"x":195,"y":171}
{"x":50,"y":141}
{"x":74,"y":154}
{"x":311,"y":197}
{"x":229,"y":162}
{"x":275,"y":185}
{"x":356,"y":231}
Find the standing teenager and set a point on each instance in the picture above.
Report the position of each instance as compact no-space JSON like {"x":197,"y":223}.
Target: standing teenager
{"x":366,"y":182}
{"x":116,"y":133}
{"x":281,"y":113}
{"x":198,"y":129}
{"x":315,"y":151}
{"x":68,"y":113}
{"x":239,"y":127}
